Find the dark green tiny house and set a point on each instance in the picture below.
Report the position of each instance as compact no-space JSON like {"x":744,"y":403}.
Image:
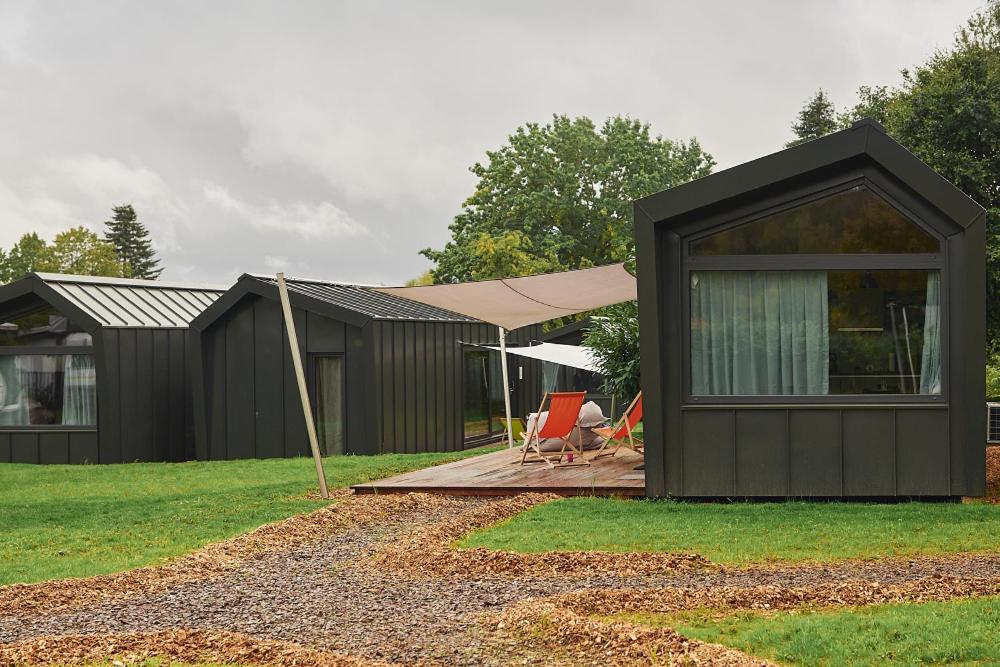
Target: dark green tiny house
{"x":385,"y":374}
{"x":95,"y":370}
{"x":813,"y":325}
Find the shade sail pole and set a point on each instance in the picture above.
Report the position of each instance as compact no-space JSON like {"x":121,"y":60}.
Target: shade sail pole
{"x":506,"y":385}
{"x":300,"y":377}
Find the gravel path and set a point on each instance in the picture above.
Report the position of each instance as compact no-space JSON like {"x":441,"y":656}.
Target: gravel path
{"x":323,"y":594}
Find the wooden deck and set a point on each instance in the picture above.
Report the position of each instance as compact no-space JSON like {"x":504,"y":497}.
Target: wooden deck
{"x":499,"y":474}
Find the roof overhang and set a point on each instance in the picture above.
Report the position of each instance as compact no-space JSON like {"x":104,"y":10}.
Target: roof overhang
{"x":865,"y":143}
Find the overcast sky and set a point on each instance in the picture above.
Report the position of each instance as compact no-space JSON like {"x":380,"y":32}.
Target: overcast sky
{"x":332,"y":139}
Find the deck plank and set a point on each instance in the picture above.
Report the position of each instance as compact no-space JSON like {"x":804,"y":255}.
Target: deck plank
{"x":499,"y":474}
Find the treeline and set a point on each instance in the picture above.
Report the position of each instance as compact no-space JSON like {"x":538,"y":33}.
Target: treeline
{"x":947,"y":112}
{"x":124,"y":251}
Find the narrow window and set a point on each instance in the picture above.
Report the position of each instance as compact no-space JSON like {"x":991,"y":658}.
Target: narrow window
{"x":330,"y":404}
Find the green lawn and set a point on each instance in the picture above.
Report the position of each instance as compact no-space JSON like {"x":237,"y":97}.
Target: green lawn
{"x":954,"y":632}
{"x":746,"y":533}
{"x":79,"y":520}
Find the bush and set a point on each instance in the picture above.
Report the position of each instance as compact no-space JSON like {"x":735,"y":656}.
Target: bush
{"x":993,"y":378}
{"x":613,"y":338}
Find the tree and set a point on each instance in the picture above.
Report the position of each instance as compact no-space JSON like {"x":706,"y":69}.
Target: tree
{"x":24,"y":257}
{"x":559,"y":196}
{"x":613,"y":338}
{"x":816,"y":119}
{"x":873,"y":103}
{"x":948,"y":114}
{"x":132,"y":245}
{"x":425,"y":278}
{"x":82,"y":252}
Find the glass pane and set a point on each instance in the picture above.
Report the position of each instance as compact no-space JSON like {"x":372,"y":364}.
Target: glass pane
{"x":43,"y":327}
{"x":476,"y":397}
{"x":854,"y":221}
{"x":47,"y":389}
{"x":815,"y":332}
{"x":330,"y":404}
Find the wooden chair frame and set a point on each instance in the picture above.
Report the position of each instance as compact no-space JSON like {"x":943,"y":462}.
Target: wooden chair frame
{"x":533,"y":444}
{"x":608,"y":433}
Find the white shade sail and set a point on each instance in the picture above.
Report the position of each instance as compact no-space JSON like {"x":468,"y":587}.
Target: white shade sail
{"x":564,"y":355}
{"x":516,"y":302}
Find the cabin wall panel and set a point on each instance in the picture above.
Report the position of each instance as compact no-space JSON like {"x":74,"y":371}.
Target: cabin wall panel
{"x":709,"y":452}
{"x":84,"y":447}
{"x":762,"y":453}
{"x":816,"y":453}
{"x":24,"y":447}
{"x":869,"y":456}
{"x":53,"y":447}
{"x":922,"y":452}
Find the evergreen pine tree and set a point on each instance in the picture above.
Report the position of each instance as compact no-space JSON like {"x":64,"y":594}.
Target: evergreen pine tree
{"x":817,"y":118}
{"x":131,"y":242}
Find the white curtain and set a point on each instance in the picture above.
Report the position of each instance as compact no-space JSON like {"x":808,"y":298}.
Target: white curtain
{"x":550,"y":374}
{"x":13,"y":406}
{"x":79,"y":390}
{"x":759,"y":333}
{"x":930,"y":360}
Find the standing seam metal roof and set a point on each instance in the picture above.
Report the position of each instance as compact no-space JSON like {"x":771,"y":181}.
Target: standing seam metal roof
{"x":127,"y":303}
{"x":365,"y":300}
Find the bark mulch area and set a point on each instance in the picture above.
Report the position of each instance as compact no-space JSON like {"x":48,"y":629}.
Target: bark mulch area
{"x":210,"y":561}
{"x":192,"y":646}
{"x":567,"y":622}
{"x":430,"y":552}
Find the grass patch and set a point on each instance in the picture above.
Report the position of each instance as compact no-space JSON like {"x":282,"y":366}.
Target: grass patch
{"x":748,"y":533}
{"x":954,"y":632}
{"x":81,"y":520}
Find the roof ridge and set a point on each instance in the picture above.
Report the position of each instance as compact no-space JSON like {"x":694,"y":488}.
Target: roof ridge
{"x":126,"y":282}
{"x":317,"y":281}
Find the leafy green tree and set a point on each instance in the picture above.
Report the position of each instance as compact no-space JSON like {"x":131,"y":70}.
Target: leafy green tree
{"x":559,"y":196}
{"x":613,"y":338}
{"x":873,"y":103}
{"x":24,"y":257}
{"x":948,"y":114}
{"x":132,"y":244}
{"x":816,"y":119}
{"x":82,"y":252}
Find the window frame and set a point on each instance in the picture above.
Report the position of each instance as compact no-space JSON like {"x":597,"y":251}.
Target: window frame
{"x":812,"y":262}
{"x":53,"y":350}
{"x":312,"y":359}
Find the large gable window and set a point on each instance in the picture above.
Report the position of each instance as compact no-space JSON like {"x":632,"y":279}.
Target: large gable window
{"x":833,"y":328}
{"x":853,"y":221}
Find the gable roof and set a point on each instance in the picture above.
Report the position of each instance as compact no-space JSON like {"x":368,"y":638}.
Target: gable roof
{"x":865,"y":141}
{"x":366,"y":300}
{"x":118,"y":302}
{"x":349,"y":302}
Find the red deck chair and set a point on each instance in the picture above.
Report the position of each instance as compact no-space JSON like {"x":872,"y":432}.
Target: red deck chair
{"x":564,"y":413}
{"x":621,"y":433}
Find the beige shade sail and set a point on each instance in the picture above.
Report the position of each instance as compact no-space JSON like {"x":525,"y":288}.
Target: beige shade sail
{"x":516,"y":302}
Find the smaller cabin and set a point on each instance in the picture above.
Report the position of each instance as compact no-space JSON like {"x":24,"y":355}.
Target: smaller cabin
{"x":385,"y":374}
{"x":95,"y":370}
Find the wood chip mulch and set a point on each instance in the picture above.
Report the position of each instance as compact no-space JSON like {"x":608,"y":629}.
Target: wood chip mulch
{"x":567,"y":621}
{"x":429,"y":551}
{"x":212,"y":560}
{"x":535,"y":627}
{"x":191,"y":646}
{"x":771,"y":598}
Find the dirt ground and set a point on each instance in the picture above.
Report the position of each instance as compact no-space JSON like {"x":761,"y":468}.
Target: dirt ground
{"x":376,"y":580}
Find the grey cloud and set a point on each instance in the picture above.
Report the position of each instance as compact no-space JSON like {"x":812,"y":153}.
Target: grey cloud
{"x":334,"y":138}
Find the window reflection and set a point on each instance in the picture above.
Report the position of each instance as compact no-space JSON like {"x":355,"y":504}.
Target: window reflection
{"x":854,"y":221}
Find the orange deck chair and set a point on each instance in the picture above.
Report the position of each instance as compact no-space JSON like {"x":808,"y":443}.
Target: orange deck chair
{"x":621,"y":433}
{"x":564,"y":413}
